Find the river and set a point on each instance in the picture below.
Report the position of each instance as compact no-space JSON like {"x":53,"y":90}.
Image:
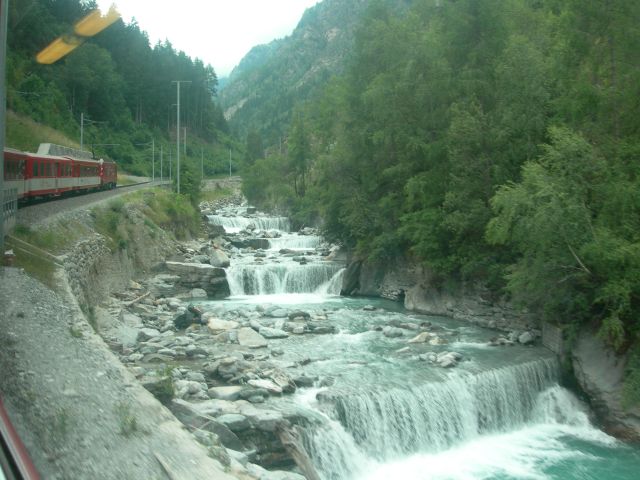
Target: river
{"x":379,"y":407}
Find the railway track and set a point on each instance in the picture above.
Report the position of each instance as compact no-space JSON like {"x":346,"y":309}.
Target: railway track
{"x":31,"y":215}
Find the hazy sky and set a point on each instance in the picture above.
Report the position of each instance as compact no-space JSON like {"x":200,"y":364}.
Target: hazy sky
{"x":219,"y":32}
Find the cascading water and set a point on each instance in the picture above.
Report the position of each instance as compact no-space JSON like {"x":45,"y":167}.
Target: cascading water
{"x":289,"y":277}
{"x":360,"y":434}
{"x":295,"y":242}
{"x":378,"y":410}
{"x":233,"y":224}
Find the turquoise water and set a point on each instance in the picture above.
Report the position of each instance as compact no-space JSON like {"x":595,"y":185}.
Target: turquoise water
{"x":548,"y":435}
{"x":378,"y":410}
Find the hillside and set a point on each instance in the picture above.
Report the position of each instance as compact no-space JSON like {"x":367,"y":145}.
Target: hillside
{"x":264,"y":88}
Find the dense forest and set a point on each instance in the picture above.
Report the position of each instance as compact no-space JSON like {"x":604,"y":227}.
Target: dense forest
{"x":497,"y":142}
{"x":121,"y":84}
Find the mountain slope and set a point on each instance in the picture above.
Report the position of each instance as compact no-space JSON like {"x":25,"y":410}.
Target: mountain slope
{"x":264,"y":88}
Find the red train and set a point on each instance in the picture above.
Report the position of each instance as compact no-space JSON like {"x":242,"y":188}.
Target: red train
{"x":36,"y":175}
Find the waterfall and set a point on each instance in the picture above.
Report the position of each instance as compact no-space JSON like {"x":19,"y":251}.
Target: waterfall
{"x":295,"y":242}
{"x":235,"y":224}
{"x":333,"y":285}
{"x":279,"y":278}
{"x":392,"y":423}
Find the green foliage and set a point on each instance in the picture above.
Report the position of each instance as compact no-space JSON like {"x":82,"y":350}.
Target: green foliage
{"x":119,"y":82}
{"x":497,"y":141}
{"x":631,"y":388}
{"x":172,"y":212}
{"x":109,"y":221}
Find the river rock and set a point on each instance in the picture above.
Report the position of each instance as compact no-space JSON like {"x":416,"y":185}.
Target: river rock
{"x":217,"y":326}
{"x":234,"y":421}
{"x":230,"y":393}
{"x":277,"y":313}
{"x":299,"y":314}
{"x":266,"y":420}
{"x":218,"y":258}
{"x":421,"y":338}
{"x":273,"y":333}
{"x":248,"y":337}
{"x":392,"y":332}
{"x":145,"y":334}
{"x":268,"y":385}
{"x":198,"y":293}
{"x":526,"y":338}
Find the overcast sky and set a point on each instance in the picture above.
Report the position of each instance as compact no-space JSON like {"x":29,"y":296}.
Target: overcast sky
{"x":219,"y":32}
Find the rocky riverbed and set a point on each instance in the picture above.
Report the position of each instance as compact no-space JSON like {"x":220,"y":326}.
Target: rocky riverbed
{"x":227,"y":375}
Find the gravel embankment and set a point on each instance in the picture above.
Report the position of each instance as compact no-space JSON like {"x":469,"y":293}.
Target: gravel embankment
{"x":79,"y":412}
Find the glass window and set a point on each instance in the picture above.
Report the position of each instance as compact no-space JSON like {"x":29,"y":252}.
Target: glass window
{"x":35,"y":169}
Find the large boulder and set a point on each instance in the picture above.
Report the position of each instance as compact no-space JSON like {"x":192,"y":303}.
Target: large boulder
{"x":600,"y":374}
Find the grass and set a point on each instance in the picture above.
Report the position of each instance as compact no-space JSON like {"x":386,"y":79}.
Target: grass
{"x":109,"y":221}
{"x":213,"y":195}
{"x":25,"y":134}
{"x":126,"y":419}
{"x":124,"y":179}
{"x":37,"y":266}
{"x":54,"y":238}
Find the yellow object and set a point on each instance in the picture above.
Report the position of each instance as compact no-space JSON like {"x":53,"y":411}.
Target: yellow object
{"x":95,"y":22}
{"x":57,"y":49}
{"x":90,"y":25}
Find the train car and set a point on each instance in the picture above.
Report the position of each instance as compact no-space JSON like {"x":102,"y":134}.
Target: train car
{"x":108,"y":175}
{"x":86,"y":174}
{"x":38,"y":175}
{"x":15,"y":165}
{"x":47,"y":176}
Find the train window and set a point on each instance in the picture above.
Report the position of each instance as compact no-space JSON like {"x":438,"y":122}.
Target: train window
{"x":35,"y":169}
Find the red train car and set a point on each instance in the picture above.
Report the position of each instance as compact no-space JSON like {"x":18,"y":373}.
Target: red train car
{"x":41,"y":176}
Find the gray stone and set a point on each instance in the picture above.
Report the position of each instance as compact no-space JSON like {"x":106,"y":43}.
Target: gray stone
{"x":526,"y":338}
{"x":217,"y":326}
{"x":268,"y":385}
{"x":198,"y":293}
{"x":266,"y":420}
{"x":248,"y":337}
{"x":278,"y":313}
{"x":218,"y":258}
{"x":267,"y":332}
{"x":421,"y":338}
{"x":392,"y":332}
{"x":234,"y":421}
{"x":600,"y":373}
{"x":145,"y":334}
{"x":230,"y":393}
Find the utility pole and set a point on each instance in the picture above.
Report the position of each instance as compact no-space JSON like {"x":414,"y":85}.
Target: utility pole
{"x":202,"y":163}
{"x":178,"y":82}
{"x":161,"y":163}
{"x":229,"y":163}
{"x":3,"y":45}
{"x":81,"y":130}
{"x":170,"y":165}
{"x":153,"y":159}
